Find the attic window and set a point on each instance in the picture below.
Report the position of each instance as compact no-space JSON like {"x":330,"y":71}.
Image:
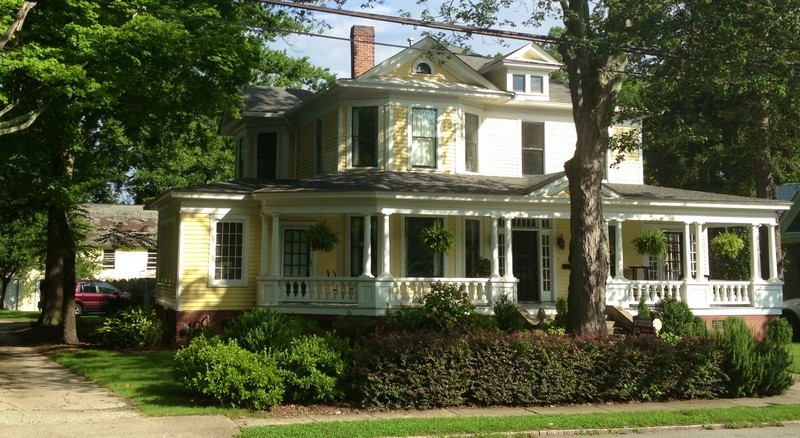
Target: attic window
{"x":423,"y":68}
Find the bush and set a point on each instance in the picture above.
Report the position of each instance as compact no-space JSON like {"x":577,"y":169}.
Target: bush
{"x":560,"y":321}
{"x":507,"y":316}
{"x":780,"y":331}
{"x":355,"y":328}
{"x":406,"y":319}
{"x":678,"y":319}
{"x":754,"y":368}
{"x":311,"y":368}
{"x":227,"y":373}
{"x":261,"y":330}
{"x":430,"y":370}
{"x":446,"y":304}
{"x":134,"y":327}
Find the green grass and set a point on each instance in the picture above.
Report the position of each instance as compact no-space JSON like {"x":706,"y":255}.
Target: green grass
{"x":794,"y":350}
{"x":145,"y":379}
{"x":483,"y":426}
{"x":18,"y":316}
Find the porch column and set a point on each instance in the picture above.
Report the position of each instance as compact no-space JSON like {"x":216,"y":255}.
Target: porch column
{"x":509,"y":274}
{"x":687,"y":251}
{"x":755,"y":254}
{"x":605,"y":235}
{"x":264,"y":246}
{"x":700,"y":253}
{"x":367,"y":272}
{"x":385,"y":248}
{"x":773,"y":262}
{"x":276,"y":245}
{"x":495,"y":249}
{"x":620,"y":260}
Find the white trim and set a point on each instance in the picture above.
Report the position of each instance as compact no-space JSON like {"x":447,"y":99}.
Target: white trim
{"x":213,"y":221}
{"x":179,"y":269}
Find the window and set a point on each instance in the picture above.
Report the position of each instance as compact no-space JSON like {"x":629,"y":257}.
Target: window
{"x":239,"y":171}
{"x":365,"y":136}
{"x":267,"y":150}
{"x":357,"y":245}
{"x":532,"y":148}
{"x":423,"y":68}
{"x":670,"y":265}
{"x":471,"y":142}
{"x":472,"y":249}
{"x":152,"y":259}
{"x":537,"y":85}
{"x":612,"y":251}
{"x":106,"y":289}
{"x":296,"y":253}
{"x":229,"y":252}
{"x":109,"y":259}
{"x":420,"y":260}
{"x":318,"y":146}
{"x":518,"y":83}
{"x":423,"y":137}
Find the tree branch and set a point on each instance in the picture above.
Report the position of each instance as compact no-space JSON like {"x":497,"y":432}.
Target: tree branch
{"x":16,"y":25}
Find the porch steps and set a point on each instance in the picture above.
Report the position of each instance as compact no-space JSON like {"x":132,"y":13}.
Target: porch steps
{"x":532,"y":319}
{"x":618,"y":320}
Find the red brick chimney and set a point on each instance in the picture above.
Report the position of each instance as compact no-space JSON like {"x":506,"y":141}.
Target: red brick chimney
{"x":362,"y":50}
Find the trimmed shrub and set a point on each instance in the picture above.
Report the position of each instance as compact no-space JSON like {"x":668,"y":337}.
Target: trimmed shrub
{"x":777,"y":377}
{"x":678,"y":319}
{"x":134,"y":327}
{"x":507,"y":315}
{"x":355,"y":328}
{"x":779,"y":331}
{"x":560,"y":321}
{"x":405,"y":370}
{"x":311,"y":368}
{"x":228,"y":374}
{"x":264,"y":330}
{"x":447,"y":304}
{"x":406,"y":319}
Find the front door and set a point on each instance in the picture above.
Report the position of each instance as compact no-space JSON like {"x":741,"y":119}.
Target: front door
{"x":525,"y":251}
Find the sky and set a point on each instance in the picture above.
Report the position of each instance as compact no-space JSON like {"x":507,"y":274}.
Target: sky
{"x":335,"y":54}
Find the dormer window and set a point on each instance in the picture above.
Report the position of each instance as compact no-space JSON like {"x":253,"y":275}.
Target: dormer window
{"x":518,"y":82}
{"x":527,"y":84}
{"x":423,"y":68}
{"x":537,"y":85}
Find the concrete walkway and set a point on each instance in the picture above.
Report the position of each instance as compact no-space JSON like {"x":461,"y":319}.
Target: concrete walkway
{"x":39,"y":398}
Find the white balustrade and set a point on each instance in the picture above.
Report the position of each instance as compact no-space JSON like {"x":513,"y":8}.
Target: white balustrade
{"x":653,"y":291}
{"x":730,"y":292}
{"x":323,"y":290}
{"x":409,"y":291}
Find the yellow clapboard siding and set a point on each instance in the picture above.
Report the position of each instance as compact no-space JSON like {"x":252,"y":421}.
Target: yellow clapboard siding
{"x":440,"y":74}
{"x":449,"y":124}
{"x":330,"y":139}
{"x":400,"y":138}
{"x":305,"y":150}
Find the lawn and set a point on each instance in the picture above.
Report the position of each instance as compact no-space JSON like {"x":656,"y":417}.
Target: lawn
{"x":18,"y":316}
{"x":794,"y":349}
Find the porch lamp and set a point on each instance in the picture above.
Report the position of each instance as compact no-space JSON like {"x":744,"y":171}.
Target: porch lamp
{"x":560,"y":241}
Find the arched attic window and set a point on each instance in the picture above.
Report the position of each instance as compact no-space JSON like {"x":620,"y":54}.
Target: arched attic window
{"x":423,"y":68}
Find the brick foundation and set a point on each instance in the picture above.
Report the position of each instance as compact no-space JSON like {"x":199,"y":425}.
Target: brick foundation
{"x":181,"y":326}
{"x":758,"y":323}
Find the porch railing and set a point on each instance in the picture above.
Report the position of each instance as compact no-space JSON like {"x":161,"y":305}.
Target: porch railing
{"x":653,"y":290}
{"x":408,"y":291}
{"x":730,"y":292}
{"x":323,"y":290}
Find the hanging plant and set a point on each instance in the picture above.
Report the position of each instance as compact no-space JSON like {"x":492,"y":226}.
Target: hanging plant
{"x":652,"y":243}
{"x":321,"y":237}
{"x":438,"y":238}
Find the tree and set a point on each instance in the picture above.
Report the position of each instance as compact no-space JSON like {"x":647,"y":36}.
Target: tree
{"x":21,"y":246}
{"x":120,"y":78}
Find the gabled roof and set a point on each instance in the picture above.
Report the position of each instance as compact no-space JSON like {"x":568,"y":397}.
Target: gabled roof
{"x":261,"y":100}
{"x":529,"y":55}
{"x":122,"y":217}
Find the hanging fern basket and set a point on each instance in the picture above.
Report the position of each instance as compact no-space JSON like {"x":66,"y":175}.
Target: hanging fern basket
{"x":321,"y":237}
{"x":438,"y":238}
{"x":651,"y":243}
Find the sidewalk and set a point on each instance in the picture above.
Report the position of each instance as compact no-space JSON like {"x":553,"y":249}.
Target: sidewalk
{"x":39,"y":398}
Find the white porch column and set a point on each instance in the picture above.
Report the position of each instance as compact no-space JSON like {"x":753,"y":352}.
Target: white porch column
{"x":276,"y":245}
{"x":773,"y":262}
{"x":700,"y":253}
{"x":264,"y":246}
{"x":687,"y":251}
{"x":620,"y":260}
{"x":509,"y":274}
{"x":367,"y":272}
{"x":386,"y":260}
{"x":495,"y":249}
{"x":755,"y":254}
{"x":605,"y":234}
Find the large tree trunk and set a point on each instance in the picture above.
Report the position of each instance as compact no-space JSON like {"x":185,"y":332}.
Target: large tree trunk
{"x":53,"y":286}
{"x":6,"y":280}
{"x":70,"y":333}
{"x":595,"y":79}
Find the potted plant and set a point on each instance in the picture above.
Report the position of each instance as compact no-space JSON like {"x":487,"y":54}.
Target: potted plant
{"x":438,"y":238}
{"x":652,"y":243}
{"x":321,"y":237}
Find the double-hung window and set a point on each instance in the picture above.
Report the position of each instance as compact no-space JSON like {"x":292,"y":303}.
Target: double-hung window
{"x":471,"y":142}
{"x":109,"y":259}
{"x":532,"y":148}
{"x":267,"y":150}
{"x":421,"y":261}
{"x":364,"y":136}
{"x":229,"y":257}
{"x":240,"y":145}
{"x":318,"y":146}
{"x":670,"y":265}
{"x":357,"y":245}
{"x":296,"y":253}
{"x":423,"y":137}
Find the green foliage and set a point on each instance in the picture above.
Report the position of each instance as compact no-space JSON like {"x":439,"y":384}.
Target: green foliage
{"x":754,"y":369}
{"x":644,"y":309}
{"x":507,"y":315}
{"x":560,"y":321}
{"x":678,"y":319}
{"x":651,"y":242}
{"x":321,"y":237}
{"x":229,"y":374}
{"x":311,"y":368}
{"x":355,"y":328}
{"x":437,"y":238}
{"x":729,"y":254}
{"x":264,"y":330}
{"x":779,"y":331}
{"x":134,"y":327}
{"x":422,"y":371}
{"x":447,"y":304}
